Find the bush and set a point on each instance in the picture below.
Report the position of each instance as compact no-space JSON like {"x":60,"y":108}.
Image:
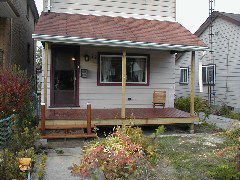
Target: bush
{"x":9,"y":163}
{"x":200,"y":105}
{"x":25,"y":139}
{"x":227,"y":112}
{"x":126,"y":154}
{"x":16,"y":96}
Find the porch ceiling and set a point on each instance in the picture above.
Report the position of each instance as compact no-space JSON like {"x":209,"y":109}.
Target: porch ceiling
{"x":7,"y":9}
{"x":115,"y":31}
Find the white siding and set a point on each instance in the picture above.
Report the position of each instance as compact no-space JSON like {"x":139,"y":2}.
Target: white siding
{"x":227,"y":77}
{"x":146,"y":9}
{"x":161,"y":78}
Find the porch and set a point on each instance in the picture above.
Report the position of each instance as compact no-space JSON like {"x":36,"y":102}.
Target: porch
{"x":112,"y":117}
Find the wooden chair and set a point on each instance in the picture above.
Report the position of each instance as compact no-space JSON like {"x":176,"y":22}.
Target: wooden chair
{"x":159,"y":98}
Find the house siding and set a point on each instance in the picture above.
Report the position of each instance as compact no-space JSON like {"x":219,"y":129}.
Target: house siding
{"x":161,"y":78}
{"x":15,"y":35}
{"x":227,"y":74}
{"x":149,"y":9}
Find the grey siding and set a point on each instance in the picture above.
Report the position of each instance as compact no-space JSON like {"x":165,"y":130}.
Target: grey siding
{"x":228,"y":66}
{"x":161,"y":78}
{"x":149,"y":9}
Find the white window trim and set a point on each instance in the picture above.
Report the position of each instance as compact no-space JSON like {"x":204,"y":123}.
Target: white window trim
{"x":184,"y":68}
{"x":140,"y":56}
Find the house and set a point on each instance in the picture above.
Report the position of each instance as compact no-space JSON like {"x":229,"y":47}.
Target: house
{"x":17,"y":22}
{"x":220,"y":69}
{"x":113,"y":55}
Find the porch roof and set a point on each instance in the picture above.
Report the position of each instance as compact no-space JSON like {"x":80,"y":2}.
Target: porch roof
{"x":116,"y":31}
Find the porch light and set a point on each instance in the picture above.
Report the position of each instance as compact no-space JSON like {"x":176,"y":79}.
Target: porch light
{"x":73,"y":59}
{"x":87,"y":57}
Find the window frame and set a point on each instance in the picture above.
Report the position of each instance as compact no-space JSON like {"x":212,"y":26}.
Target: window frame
{"x":184,"y":68}
{"x":99,"y":83}
{"x":214,"y":77}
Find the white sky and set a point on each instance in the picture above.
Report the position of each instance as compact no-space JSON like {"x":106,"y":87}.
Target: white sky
{"x":192,"y":13}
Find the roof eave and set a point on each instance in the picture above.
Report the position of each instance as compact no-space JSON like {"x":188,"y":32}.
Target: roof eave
{"x":9,"y":9}
{"x":117,"y":43}
{"x":34,"y":10}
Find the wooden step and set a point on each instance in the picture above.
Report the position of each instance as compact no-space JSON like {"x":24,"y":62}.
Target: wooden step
{"x":68,"y":136}
{"x":62,"y":127}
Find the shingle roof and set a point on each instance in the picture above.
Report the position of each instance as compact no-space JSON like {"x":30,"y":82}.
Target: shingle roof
{"x":34,"y":9}
{"x":115,"y":28}
{"x":234,"y":18}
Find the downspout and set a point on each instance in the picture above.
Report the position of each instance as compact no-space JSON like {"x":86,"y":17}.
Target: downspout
{"x":49,"y":5}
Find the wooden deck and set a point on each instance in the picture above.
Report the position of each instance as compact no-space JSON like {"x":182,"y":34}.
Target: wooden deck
{"x":112,"y":117}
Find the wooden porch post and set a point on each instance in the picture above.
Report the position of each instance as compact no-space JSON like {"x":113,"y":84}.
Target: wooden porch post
{"x":192,"y":91}
{"x":44,"y":107}
{"x":89,"y":119}
{"x":124,"y":64}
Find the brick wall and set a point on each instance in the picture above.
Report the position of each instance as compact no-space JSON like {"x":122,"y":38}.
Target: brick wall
{"x":17,"y":38}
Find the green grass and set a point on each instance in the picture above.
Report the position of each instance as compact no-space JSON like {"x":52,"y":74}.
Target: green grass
{"x":196,"y":158}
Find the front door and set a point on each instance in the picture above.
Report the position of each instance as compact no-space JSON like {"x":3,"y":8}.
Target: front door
{"x":65,"y":76}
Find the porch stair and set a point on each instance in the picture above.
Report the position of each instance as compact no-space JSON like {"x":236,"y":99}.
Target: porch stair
{"x":66,"y":127}
{"x":67,"y":132}
{"x":68,"y":136}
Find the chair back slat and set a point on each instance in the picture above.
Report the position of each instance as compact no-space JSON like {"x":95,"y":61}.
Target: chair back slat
{"x":159,"y":97}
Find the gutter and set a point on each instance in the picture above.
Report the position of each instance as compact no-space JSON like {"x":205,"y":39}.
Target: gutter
{"x":117,"y":43}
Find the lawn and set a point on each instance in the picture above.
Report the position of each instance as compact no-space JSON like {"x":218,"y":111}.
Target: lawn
{"x":208,"y":154}
{"x":200,"y":156}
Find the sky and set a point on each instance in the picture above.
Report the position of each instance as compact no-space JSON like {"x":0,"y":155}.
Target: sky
{"x":192,"y":13}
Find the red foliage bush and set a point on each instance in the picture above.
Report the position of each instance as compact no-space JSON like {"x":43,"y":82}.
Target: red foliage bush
{"x":118,"y":156}
{"x":15,"y":92}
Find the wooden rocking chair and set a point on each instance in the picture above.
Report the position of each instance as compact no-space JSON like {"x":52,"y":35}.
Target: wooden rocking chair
{"x":159,"y":98}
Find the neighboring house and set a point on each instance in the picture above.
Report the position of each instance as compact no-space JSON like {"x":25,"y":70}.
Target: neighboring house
{"x":90,"y":45}
{"x":223,"y":70}
{"x":17,"y":23}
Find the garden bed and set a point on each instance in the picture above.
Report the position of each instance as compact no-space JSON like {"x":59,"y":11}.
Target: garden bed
{"x":169,"y":156}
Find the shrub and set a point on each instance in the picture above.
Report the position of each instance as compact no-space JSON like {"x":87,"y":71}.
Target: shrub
{"x":9,"y":163}
{"x":16,"y":96}
{"x":24,"y":139}
{"x":200,"y":105}
{"x":227,"y":112}
{"x":126,"y":154}
{"x":42,"y":166}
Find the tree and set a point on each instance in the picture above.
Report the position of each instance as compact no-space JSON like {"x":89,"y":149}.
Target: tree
{"x":39,"y":56}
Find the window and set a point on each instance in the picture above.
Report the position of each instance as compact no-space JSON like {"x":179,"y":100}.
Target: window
{"x":209,"y":74}
{"x":110,"y":67}
{"x":184,"y":75}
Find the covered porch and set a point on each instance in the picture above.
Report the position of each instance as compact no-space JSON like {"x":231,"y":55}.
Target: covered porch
{"x":124,"y":98}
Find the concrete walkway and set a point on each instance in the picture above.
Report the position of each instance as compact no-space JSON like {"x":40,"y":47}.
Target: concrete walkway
{"x":57,"y":166}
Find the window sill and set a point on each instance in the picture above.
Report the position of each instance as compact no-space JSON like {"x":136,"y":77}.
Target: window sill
{"x":120,"y":84}
{"x":182,"y":83}
{"x":205,"y":84}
